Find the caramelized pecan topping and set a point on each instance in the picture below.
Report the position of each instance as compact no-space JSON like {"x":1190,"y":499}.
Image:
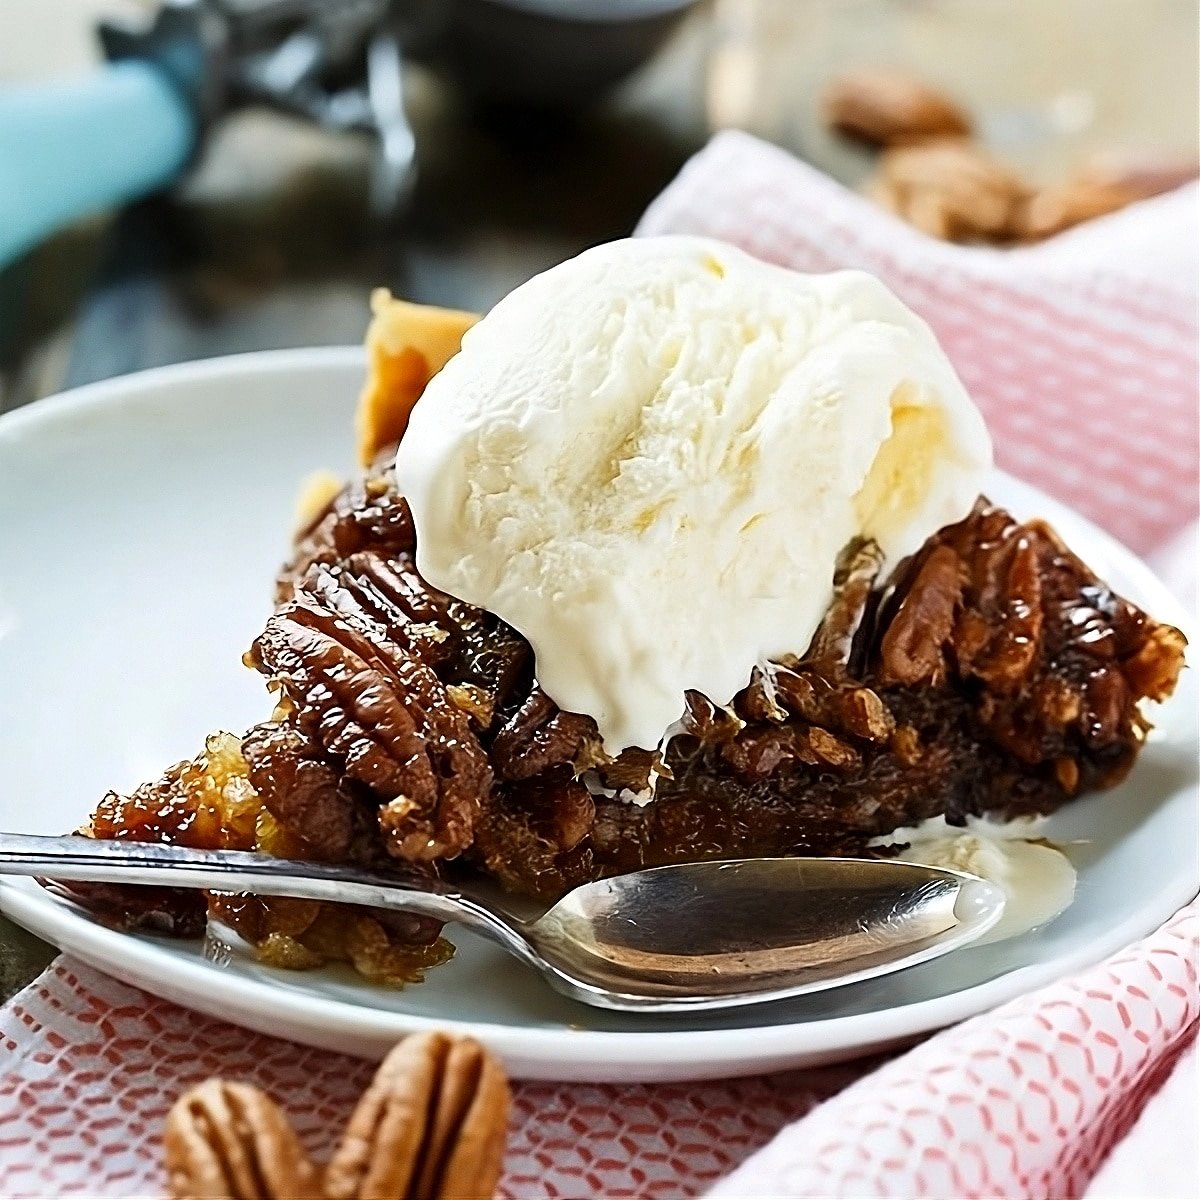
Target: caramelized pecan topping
{"x":368,"y":514}
{"x":911,"y":649}
{"x":990,"y":673}
{"x":303,"y":793}
{"x":354,"y":667}
{"x":538,"y":736}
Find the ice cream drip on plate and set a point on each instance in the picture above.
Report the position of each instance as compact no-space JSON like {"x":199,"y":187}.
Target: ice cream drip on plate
{"x":1038,"y":879}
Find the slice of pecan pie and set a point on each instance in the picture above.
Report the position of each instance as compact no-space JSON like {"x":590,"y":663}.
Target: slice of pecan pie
{"x":989,"y":673}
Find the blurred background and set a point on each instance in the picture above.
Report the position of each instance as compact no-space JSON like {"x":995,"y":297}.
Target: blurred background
{"x":538,"y":127}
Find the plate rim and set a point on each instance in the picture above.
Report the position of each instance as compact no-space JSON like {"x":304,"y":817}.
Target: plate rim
{"x":537,"y":1052}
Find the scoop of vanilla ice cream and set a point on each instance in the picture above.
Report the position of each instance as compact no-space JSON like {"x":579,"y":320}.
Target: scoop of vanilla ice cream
{"x":648,"y":458}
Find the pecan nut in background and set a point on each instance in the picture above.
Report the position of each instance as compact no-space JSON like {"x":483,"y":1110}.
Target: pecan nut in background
{"x":888,"y":108}
{"x":1050,"y":210}
{"x":951,"y":189}
{"x":933,"y":175}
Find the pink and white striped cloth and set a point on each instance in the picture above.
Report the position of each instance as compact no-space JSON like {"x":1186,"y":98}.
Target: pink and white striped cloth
{"x":1083,"y":354}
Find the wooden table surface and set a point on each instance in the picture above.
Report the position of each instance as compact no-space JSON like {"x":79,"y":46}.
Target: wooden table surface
{"x":269,"y":243}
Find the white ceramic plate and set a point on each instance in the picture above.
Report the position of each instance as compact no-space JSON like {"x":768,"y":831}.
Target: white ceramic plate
{"x":141,"y":521}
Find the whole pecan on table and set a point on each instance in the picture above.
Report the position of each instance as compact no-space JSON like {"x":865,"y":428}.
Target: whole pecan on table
{"x":232,"y":1140}
{"x":431,"y":1125}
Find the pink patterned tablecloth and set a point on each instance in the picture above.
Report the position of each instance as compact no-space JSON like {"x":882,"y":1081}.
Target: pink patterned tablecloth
{"x":1083,"y":354}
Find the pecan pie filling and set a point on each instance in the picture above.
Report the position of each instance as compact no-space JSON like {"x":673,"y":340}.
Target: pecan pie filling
{"x":992,"y":673}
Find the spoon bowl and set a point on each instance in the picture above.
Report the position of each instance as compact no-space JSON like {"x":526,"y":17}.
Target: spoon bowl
{"x":718,"y":934}
{"x":668,"y":939}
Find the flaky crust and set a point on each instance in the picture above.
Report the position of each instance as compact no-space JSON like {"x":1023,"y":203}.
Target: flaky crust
{"x":407,"y":344}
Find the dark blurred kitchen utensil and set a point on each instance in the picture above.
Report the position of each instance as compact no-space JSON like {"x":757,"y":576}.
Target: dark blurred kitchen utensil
{"x":132,"y":127}
{"x":546,"y":53}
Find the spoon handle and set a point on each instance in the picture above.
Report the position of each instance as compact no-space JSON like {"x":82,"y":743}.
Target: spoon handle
{"x":87,"y":859}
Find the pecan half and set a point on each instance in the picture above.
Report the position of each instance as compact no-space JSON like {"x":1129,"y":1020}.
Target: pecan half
{"x":231,"y":1140}
{"x":1052,"y":209}
{"x":1102,"y":187}
{"x":538,"y":736}
{"x":354,"y":666}
{"x":368,"y":514}
{"x":431,"y":1126}
{"x":854,"y":580}
{"x":911,"y":651}
{"x":886,"y":107}
{"x":301,"y":792}
{"x":952,"y":190}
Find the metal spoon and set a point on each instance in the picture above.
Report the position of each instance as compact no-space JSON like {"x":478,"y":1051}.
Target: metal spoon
{"x":670,"y":939}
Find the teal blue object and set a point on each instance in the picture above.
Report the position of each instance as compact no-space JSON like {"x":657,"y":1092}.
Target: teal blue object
{"x":70,"y":149}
